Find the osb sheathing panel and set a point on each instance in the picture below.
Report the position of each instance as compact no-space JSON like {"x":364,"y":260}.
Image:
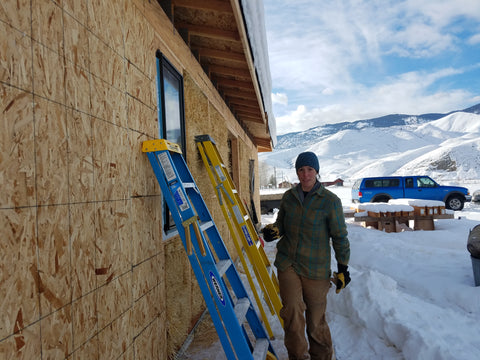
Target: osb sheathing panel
{"x":114,"y":299}
{"x":84,"y":320}
{"x":48,"y":73}
{"x":76,"y":42}
{"x":146,"y":218}
{"x":25,"y":344}
{"x":112,"y":150}
{"x":151,"y":343}
{"x":77,"y":9}
{"x":106,"y":20}
{"x":149,"y":306}
{"x":15,"y":56}
{"x":77,"y":83}
{"x":57,"y":339}
{"x":17,"y":14}
{"x":80,"y":156}
{"x":108,"y":103}
{"x":51,"y":158}
{"x":48,"y":33}
{"x":17,"y":144}
{"x":112,"y":240}
{"x":82,"y":243}
{"x":140,"y":41}
{"x":177,"y":282}
{"x":106,"y":64}
{"x":116,"y":338}
{"x":54,"y":280}
{"x":19,"y":306}
{"x":142,"y":118}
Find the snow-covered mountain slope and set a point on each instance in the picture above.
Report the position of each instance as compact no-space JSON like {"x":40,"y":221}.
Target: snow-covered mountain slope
{"x":448,"y":149}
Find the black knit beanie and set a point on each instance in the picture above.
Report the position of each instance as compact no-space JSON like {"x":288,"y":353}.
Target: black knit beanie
{"x":307,"y":158}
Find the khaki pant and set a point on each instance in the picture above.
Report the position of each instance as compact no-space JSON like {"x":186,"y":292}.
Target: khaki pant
{"x":304,"y":303}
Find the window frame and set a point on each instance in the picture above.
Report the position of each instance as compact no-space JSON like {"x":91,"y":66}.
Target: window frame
{"x":165,"y":68}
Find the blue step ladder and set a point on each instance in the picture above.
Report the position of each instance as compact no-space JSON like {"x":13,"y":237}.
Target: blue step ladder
{"x":238,"y":326}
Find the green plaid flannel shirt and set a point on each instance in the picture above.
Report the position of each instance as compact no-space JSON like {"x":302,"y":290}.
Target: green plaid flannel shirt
{"x":306,"y":229}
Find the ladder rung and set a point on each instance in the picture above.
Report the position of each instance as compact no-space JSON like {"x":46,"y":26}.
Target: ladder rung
{"x":241,"y":308}
{"x":204,"y":226}
{"x":223,"y":265}
{"x":261,"y":348}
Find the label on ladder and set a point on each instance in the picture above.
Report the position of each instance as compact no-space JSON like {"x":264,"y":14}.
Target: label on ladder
{"x":229,"y":306}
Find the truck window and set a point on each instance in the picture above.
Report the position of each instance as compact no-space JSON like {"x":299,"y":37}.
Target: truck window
{"x":378,"y":183}
{"x":409,"y":182}
{"x":391,"y":182}
{"x":425,"y":182}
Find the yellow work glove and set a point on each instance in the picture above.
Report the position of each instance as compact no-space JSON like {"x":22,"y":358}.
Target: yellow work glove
{"x":341,"y":278}
{"x":270,"y":233}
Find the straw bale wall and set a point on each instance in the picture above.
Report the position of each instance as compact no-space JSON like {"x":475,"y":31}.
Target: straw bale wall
{"x":85,"y":271}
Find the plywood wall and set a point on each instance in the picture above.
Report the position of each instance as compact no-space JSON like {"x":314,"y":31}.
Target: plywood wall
{"x":85,"y":272}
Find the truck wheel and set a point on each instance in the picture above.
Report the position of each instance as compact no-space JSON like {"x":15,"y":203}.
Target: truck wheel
{"x":382,"y":199}
{"x":455,"y":203}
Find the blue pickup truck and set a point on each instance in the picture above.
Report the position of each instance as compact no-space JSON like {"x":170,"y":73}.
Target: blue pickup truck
{"x":382,"y":189}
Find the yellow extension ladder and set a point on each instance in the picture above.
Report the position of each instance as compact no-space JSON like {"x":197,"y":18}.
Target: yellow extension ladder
{"x":241,"y":227}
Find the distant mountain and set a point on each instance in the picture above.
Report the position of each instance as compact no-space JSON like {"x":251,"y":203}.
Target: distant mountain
{"x":311,"y":135}
{"x":445,"y":146}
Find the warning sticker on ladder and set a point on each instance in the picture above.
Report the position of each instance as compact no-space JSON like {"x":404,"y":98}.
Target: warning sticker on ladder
{"x":179,"y":197}
{"x":247,"y":235}
{"x":238,"y":214}
{"x":167,"y":166}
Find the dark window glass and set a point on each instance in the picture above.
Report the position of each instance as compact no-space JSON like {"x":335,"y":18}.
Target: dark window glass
{"x":171,"y":116}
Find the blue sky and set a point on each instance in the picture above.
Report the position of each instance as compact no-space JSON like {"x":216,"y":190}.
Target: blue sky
{"x":346,"y":60}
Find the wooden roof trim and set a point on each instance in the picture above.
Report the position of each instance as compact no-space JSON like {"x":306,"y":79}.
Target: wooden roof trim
{"x":221,"y":54}
{"x":208,"y":31}
{"x":242,"y":73}
{"x":214,"y":5}
{"x":224,"y":82}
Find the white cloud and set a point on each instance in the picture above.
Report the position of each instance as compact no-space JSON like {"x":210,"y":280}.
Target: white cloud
{"x":474,"y":40}
{"x":280,"y":98}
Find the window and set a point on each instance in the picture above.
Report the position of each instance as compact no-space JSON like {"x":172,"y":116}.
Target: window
{"x":377,"y":183}
{"x":409,"y":183}
{"x":171,"y":116}
{"x":424,"y":182}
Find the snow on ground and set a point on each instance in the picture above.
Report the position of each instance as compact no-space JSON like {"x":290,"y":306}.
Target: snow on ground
{"x":412,"y":294}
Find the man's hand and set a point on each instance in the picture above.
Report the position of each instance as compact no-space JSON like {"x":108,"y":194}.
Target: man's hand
{"x":342,"y":278}
{"x":270,"y":233}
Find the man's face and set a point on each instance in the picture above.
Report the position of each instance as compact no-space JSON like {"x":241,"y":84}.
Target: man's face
{"x":307,"y":176}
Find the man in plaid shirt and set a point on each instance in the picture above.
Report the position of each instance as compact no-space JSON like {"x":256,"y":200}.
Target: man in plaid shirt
{"x":309,"y":217}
